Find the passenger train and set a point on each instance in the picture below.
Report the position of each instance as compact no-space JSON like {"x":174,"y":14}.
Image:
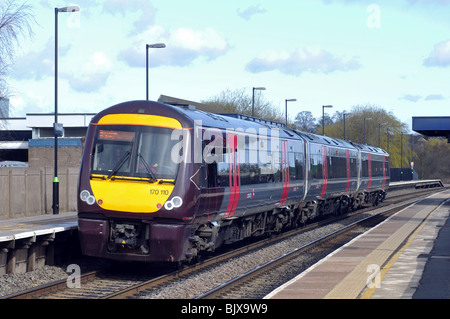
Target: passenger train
{"x":160,"y":182}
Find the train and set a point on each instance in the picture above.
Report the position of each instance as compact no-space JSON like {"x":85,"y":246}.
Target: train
{"x":167,"y":183}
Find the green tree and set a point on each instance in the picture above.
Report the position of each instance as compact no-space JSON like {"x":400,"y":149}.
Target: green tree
{"x":383,"y":129}
{"x":432,"y":158}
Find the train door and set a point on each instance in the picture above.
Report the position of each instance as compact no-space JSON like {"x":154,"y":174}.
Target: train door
{"x":324,"y":171}
{"x":284,"y":171}
{"x":212,"y":192}
{"x":234,"y":174}
{"x":369,"y":168}
{"x":347,"y":166}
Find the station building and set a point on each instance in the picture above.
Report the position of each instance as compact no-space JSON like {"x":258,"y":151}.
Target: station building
{"x":29,"y":140}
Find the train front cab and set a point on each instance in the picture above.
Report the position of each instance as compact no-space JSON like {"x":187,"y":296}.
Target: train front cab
{"x":133,"y":205}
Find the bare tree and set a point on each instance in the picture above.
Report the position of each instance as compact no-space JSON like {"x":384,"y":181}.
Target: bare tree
{"x":240,"y":101}
{"x":15,"y":20}
{"x":305,"y":122}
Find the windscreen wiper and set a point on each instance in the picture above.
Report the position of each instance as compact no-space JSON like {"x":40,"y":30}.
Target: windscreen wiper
{"x":149,"y":171}
{"x":120,"y":163}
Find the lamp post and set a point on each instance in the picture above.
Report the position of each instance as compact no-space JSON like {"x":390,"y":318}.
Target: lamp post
{"x":323,"y":117}
{"x":285,"y":101}
{"x":401,"y":155}
{"x":253,"y":98}
{"x":344,"y":114}
{"x":152,"y":46}
{"x":387,"y":138}
{"x":366,"y":119}
{"x":57,"y":130}
{"x":379,"y":133}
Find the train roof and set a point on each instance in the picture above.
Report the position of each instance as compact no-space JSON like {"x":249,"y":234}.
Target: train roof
{"x":226,"y":121}
{"x":370,"y":149}
{"x":324,"y":140}
{"x":189,"y":114}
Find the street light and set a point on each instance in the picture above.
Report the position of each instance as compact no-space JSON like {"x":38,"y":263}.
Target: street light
{"x":152,"y":46}
{"x":253,"y":98}
{"x":57,"y":129}
{"x":288,"y":100}
{"x":366,"y":119}
{"x":379,"y":133}
{"x":344,"y":114}
{"x":323,"y":117}
{"x":388,"y":132}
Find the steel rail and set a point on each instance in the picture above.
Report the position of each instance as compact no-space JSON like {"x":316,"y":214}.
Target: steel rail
{"x":134,"y":289}
{"x":256,"y":272}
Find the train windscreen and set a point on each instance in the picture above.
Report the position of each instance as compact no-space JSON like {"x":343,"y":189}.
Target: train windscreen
{"x":134,"y":151}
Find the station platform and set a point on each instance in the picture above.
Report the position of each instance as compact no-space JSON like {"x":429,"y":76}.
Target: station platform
{"x":405,"y":257}
{"x":20,"y":228}
{"x":27,"y":243}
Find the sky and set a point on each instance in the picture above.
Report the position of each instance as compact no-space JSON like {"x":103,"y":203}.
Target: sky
{"x":393,"y":54}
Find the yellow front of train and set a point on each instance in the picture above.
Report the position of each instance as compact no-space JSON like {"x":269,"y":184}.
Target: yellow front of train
{"x":131,"y":166}
{"x":132,"y":193}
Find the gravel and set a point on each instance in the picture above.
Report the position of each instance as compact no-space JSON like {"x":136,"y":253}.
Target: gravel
{"x":188,"y":286}
{"x":11,"y":283}
{"x":191,"y":286}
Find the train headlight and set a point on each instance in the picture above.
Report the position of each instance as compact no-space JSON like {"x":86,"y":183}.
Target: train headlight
{"x":85,"y":196}
{"x":91,"y":200}
{"x":177,"y":201}
{"x":168,"y":205}
{"x":173,"y":203}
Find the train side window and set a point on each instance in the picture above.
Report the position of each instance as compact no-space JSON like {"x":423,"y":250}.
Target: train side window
{"x":338,"y":167}
{"x":223,"y":172}
{"x":299,"y":166}
{"x":316,"y":166}
{"x":212,"y":174}
{"x":296,"y":161}
{"x":353,"y":167}
{"x":316,"y":162}
{"x":244,"y":163}
{"x":365,"y":167}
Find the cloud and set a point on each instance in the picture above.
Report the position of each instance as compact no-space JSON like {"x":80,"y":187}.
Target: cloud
{"x":411,"y":2}
{"x":439,"y":2}
{"x":411,"y":98}
{"x":92,"y":75}
{"x":415,"y":98}
{"x":434,"y":97}
{"x":250,"y":11}
{"x":144,"y":7}
{"x":440,"y":56}
{"x":314,"y":60}
{"x":183,"y":47}
{"x":37,"y":65}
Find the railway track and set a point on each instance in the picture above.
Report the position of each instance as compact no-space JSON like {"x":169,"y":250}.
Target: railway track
{"x":259,"y":281}
{"x":107,"y":284}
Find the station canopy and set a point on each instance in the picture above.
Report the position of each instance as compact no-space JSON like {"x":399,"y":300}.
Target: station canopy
{"x":432,"y":125}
